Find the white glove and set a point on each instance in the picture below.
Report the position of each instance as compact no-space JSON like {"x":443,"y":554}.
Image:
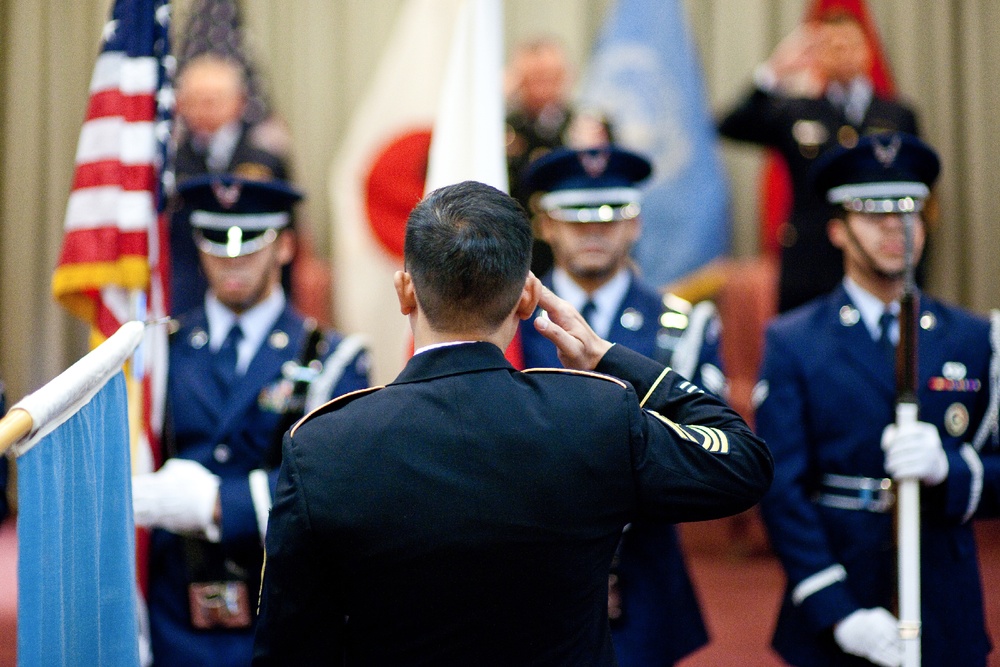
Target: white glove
{"x":872,"y":634}
{"x":914,"y":451}
{"x":179,"y":497}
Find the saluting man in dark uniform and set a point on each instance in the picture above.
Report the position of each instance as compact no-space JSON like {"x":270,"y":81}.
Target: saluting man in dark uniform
{"x":814,"y":93}
{"x":827,"y":409}
{"x":467,"y":513}
{"x":242,"y":368}
{"x":590,"y":205}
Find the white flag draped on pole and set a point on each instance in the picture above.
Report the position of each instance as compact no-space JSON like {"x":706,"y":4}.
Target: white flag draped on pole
{"x":442,"y":72}
{"x":468,"y":140}
{"x":379,"y":175}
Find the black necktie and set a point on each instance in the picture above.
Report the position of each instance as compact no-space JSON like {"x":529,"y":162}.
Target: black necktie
{"x":588,"y":311}
{"x":224,"y":360}
{"x":885,"y":338}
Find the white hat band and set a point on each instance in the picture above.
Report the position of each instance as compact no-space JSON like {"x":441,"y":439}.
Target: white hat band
{"x":889,"y":190}
{"x":592,"y":197}
{"x":251,"y":222}
{"x":235,"y":245}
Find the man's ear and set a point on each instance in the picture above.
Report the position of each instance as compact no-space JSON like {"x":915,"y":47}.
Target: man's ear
{"x":529,"y":297}
{"x":836,"y":231}
{"x":546,"y":227}
{"x":286,"y":246}
{"x":635,"y":229}
{"x":405,"y":292}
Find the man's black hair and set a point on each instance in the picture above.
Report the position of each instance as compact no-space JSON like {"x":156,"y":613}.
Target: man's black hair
{"x":468,"y":249}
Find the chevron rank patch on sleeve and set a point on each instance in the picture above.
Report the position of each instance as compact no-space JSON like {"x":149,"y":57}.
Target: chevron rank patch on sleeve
{"x":710,"y":439}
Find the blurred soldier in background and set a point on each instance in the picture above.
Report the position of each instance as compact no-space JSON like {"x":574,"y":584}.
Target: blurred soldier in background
{"x":212,"y":138}
{"x":590,"y":210}
{"x":540,"y":117}
{"x":813,"y":93}
{"x":243,"y":366}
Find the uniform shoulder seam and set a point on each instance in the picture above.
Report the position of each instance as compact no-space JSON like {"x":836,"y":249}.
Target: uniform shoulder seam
{"x":570,"y":371}
{"x":334,"y":404}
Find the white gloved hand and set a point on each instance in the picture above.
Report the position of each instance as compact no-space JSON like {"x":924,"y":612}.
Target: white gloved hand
{"x":914,"y":451}
{"x":180,"y":497}
{"x":872,"y":634}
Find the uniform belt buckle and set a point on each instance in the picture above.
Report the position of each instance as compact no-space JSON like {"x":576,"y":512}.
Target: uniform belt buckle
{"x":219,"y":604}
{"x":871,"y":494}
{"x":880,"y":499}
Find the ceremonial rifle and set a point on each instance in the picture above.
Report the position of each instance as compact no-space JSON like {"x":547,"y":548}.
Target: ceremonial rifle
{"x":908,"y":490}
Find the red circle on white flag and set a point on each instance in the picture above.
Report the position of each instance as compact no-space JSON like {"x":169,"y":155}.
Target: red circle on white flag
{"x":395,"y":184}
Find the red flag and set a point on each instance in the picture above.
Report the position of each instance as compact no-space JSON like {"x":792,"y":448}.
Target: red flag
{"x":775,"y":182}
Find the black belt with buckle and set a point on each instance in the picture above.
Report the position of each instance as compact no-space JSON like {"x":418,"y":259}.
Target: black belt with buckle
{"x":869,"y":494}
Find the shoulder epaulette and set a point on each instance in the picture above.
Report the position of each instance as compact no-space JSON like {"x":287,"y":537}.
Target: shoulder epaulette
{"x":334,"y":404}
{"x":672,"y":323}
{"x":570,"y":371}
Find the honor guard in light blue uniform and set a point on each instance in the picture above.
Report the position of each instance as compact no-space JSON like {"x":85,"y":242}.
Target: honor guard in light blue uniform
{"x":590,"y":217}
{"x":826,"y":408}
{"x":242,"y":368}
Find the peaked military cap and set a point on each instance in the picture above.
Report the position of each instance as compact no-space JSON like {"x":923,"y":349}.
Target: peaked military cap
{"x":589,"y":185}
{"x":883,"y":173}
{"x":234,"y":216}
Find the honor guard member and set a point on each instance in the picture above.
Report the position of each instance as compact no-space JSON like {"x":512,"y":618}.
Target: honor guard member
{"x":590,"y":217}
{"x":243,"y":367}
{"x":212,"y":138}
{"x":827,"y":407}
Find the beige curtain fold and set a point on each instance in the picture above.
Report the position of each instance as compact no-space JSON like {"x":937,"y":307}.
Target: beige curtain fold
{"x":317,"y":55}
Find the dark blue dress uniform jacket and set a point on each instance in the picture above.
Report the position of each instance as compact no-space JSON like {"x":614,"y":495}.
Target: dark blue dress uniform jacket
{"x":661,"y":621}
{"x":467,"y":513}
{"x":231,"y":436}
{"x":830,"y":394}
{"x":802,"y":129}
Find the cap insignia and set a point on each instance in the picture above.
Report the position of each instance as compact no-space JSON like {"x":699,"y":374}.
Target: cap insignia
{"x":886,"y":153}
{"x":227,"y":196}
{"x":595,"y":163}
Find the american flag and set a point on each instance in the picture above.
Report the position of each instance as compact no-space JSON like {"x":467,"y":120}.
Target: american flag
{"x":112,"y":265}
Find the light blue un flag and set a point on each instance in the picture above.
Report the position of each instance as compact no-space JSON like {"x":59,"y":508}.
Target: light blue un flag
{"x":644,"y":76}
{"x":76,"y":540}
